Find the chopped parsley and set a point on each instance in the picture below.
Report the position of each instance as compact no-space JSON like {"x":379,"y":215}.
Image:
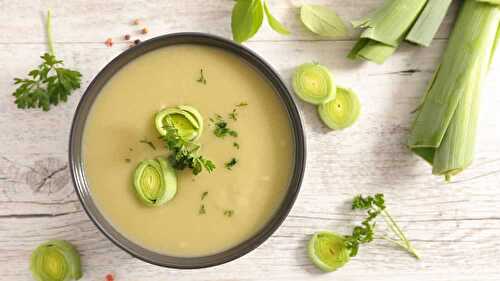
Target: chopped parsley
{"x":128,"y":160}
{"x":204,"y":194}
{"x":202,"y":78}
{"x":202,"y":210}
{"x":233,"y":115}
{"x":237,"y":145}
{"x":145,"y":141}
{"x":184,"y":153}
{"x":228,"y":213}
{"x":230,"y":164}
{"x":221,"y":129}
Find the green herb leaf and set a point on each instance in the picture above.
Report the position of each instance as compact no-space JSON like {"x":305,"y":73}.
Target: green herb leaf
{"x":237,"y":145}
{"x":375,"y":206}
{"x":202,"y":78}
{"x":231,"y":163}
{"x":184,"y":152}
{"x":273,"y":22}
{"x":221,"y":128}
{"x":228,"y":213}
{"x":48,"y":84}
{"x":203,"y":195}
{"x":145,"y":141}
{"x":322,"y":21}
{"x":246,"y":20}
{"x":202,"y":210}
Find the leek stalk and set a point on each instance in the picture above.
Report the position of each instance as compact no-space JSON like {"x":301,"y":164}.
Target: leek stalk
{"x":443,"y":132}
{"x":416,"y":21}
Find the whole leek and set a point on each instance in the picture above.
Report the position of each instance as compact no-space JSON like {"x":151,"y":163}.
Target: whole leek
{"x":444,"y":130}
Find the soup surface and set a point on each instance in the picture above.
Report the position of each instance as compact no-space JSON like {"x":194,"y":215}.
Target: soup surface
{"x":251,"y":191}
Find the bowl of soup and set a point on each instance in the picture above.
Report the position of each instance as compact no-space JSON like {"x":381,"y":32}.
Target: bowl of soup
{"x":215,"y":216}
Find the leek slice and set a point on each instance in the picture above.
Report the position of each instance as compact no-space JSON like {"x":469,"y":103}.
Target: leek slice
{"x":443,"y":132}
{"x":313,"y":83}
{"x":428,"y":22}
{"x":186,"y":119}
{"x":342,"y":112}
{"x":328,"y":251}
{"x":155,"y":182}
{"x":55,"y":260}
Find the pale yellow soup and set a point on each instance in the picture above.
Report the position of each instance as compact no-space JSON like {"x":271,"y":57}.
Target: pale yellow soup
{"x":123,"y":115}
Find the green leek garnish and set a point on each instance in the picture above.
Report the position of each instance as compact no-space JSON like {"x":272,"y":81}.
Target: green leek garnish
{"x":155,"y":182}
{"x":444,"y":130}
{"x":186,"y":119}
{"x":55,"y":260}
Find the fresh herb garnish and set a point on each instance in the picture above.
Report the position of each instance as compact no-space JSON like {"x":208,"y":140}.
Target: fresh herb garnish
{"x":242,"y":104}
{"x":247,"y":18}
{"x":128,"y":160}
{"x":233,"y":115}
{"x":202,"y":78}
{"x":184,"y":153}
{"x":48,"y":84}
{"x":375,"y":206}
{"x":231,"y":163}
{"x":151,"y":144}
{"x":221,"y":129}
{"x":202,"y":210}
{"x":237,"y":145}
{"x":203,"y":195}
{"x":228,"y":213}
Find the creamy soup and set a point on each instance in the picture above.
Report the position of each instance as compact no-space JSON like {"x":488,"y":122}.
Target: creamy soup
{"x":252,"y":191}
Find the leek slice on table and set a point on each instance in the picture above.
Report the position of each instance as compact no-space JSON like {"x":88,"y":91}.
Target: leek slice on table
{"x":186,"y":119}
{"x":313,"y":83}
{"x":444,"y":129}
{"x":55,"y":260}
{"x":155,"y":182}
{"x":341,"y":112}
{"x":328,"y":251}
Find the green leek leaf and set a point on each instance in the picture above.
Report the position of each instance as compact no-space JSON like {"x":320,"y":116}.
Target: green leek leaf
{"x":428,"y":22}
{"x":322,"y":21}
{"x":328,"y":251}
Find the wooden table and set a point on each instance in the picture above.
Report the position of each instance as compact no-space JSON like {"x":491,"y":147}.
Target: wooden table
{"x":456,"y":226}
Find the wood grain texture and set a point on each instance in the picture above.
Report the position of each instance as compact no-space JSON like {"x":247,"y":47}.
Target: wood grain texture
{"x":456,"y":227}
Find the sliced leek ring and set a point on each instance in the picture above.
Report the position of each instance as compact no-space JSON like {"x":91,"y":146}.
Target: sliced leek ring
{"x":342,"y":112}
{"x":313,"y":83}
{"x":327,"y":251}
{"x":155,"y":182}
{"x":55,"y":260}
{"x":186,"y":119}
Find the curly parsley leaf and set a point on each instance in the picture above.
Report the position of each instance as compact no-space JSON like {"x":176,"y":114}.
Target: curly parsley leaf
{"x":184,"y":153}
{"x":365,"y":233}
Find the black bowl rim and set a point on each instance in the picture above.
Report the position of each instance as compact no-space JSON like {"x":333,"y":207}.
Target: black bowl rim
{"x":76,"y":162}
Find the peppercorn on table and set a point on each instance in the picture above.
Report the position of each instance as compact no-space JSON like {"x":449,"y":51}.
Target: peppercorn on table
{"x":454,"y":226}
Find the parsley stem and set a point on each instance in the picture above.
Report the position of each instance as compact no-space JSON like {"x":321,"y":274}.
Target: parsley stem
{"x":49,"y":32}
{"x":405,"y":243}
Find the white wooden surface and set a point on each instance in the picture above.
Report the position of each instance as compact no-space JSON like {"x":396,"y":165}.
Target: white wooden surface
{"x":456,"y":226}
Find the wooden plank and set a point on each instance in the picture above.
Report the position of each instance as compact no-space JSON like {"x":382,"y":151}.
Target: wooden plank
{"x":454,"y":226}
{"x":95,"y":20}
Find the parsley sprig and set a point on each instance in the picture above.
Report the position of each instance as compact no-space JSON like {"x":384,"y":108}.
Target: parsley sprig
{"x":48,"y":84}
{"x":184,"y":153}
{"x":365,"y":233}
